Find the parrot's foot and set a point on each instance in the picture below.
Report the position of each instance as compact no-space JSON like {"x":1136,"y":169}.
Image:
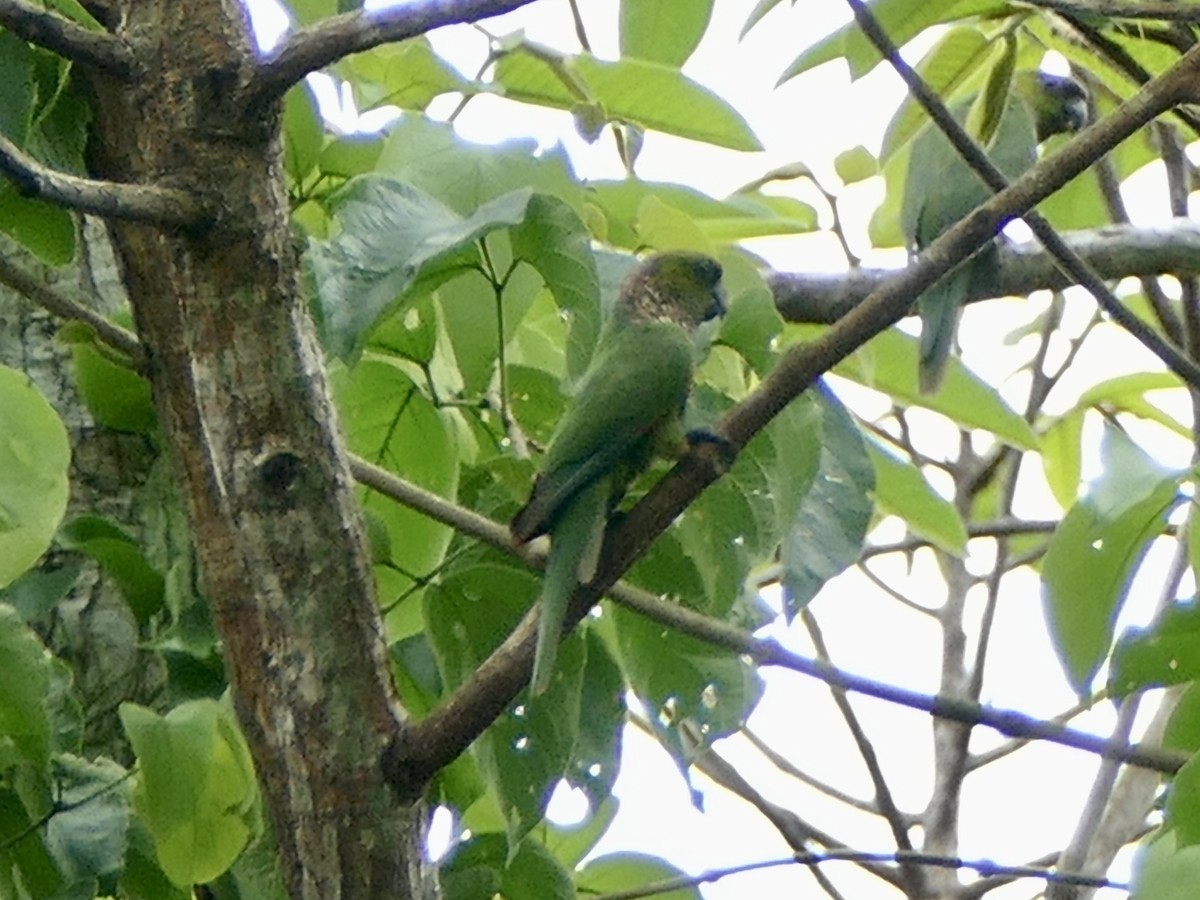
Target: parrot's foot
{"x":725,"y":451}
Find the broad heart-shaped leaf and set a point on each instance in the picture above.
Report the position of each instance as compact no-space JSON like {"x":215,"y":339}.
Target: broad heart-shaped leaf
{"x":663,"y":31}
{"x":389,"y":421}
{"x":408,"y":74}
{"x":34,"y":456}
{"x":392,"y":237}
{"x":647,"y":94}
{"x":1096,"y":549}
{"x":463,"y":175}
{"x":901,"y":490}
{"x":888,"y":363}
{"x":618,"y":873}
{"x":1166,"y":653}
{"x":826,"y":535}
{"x":197,"y":792}
{"x":529,"y":747}
{"x":24,"y":716}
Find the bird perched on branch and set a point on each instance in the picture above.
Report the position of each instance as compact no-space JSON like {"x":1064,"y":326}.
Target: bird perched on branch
{"x":627,"y":409}
{"x":941,"y":189}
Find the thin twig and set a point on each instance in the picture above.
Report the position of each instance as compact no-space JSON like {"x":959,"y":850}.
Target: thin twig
{"x":329,"y":40}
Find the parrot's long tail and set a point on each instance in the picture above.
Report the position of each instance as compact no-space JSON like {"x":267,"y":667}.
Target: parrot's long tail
{"x":940,"y":307}
{"x":574,"y":554}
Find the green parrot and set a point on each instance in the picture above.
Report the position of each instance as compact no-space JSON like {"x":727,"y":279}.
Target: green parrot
{"x":941,"y":189}
{"x":628,"y":408}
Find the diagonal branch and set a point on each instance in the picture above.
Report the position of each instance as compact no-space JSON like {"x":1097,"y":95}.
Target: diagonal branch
{"x":149,"y":204}
{"x":319,"y":45}
{"x":69,"y":39}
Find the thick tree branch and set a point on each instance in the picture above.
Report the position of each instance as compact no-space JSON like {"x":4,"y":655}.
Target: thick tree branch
{"x":319,"y":45}
{"x":68,"y":39}
{"x":1113,"y":252}
{"x":150,"y":205}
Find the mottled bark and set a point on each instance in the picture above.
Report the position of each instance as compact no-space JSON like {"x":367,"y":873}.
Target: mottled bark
{"x":246,"y":411}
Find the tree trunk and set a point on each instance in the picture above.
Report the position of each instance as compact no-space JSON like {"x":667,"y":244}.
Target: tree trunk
{"x":245,"y":409}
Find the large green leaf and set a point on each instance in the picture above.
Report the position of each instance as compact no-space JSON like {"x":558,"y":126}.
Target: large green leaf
{"x":388,"y":420}
{"x":901,"y":490}
{"x":634,"y":91}
{"x":408,"y":75}
{"x":34,"y":456}
{"x":197,"y":792}
{"x":119,"y":555}
{"x":394,"y":237}
{"x":826,"y":534}
{"x":888,"y":363}
{"x":663,"y":31}
{"x":1166,"y":653}
{"x":617,"y":873}
{"x":1096,"y":549}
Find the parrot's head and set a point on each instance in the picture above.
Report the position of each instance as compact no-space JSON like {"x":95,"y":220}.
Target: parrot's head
{"x":1059,"y":104}
{"x":683,"y":288}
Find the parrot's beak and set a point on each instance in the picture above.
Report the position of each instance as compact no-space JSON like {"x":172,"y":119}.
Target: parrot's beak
{"x":719,"y":306}
{"x":1077,"y":114}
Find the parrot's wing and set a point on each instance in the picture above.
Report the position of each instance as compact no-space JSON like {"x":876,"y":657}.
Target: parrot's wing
{"x":940,"y":307}
{"x":638,"y":381}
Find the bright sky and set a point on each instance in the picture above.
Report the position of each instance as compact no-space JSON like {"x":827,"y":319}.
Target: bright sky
{"x":1015,"y":810}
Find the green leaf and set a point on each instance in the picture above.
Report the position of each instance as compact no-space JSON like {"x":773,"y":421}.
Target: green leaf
{"x":46,"y":230}
{"x":196,"y":791}
{"x":663,"y":31}
{"x":1095,"y":551}
{"x":303,"y":132}
{"x":388,"y":420}
{"x":826,"y":536}
{"x":901,"y":490}
{"x":119,"y":556}
{"x":722,"y":221}
{"x":116,"y":395}
{"x":616,"y":873}
{"x":1183,"y":804}
{"x":901,"y":19}
{"x":633,"y":91}
{"x":1183,"y":728}
{"x":534,"y":874}
{"x":752,"y":325}
{"x":34,"y":456}
{"x":888,"y":363}
{"x":1062,"y":460}
{"x":408,"y":75}
{"x":16,"y":87}
{"x":24,"y":717}
{"x":571,"y":843}
{"x":1164,"y":870}
{"x":855,"y":165}
{"x":553,"y":240}
{"x":393,"y":237}
{"x":1166,"y":653}
{"x":431,"y":157}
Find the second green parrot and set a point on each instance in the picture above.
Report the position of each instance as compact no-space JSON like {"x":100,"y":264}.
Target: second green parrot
{"x":628,"y":408}
{"x":941,"y":189}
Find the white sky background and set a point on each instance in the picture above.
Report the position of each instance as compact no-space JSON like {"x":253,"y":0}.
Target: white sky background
{"x":1013,"y":811}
